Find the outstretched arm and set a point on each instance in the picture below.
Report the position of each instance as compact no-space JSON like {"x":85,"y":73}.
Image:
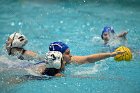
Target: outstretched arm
{"x":32,"y":55}
{"x":93,"y":57}
{"x":123,"y":34}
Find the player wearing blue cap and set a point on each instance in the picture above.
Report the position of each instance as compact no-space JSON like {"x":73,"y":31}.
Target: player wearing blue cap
{"x":64,"y":49}
{"x":108,"y":33}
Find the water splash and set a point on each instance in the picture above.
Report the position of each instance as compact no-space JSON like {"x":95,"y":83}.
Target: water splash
{"x":93,"y":69}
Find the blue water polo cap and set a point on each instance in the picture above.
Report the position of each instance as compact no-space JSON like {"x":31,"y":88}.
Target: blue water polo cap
{"x":58,"y":46}
{"x":107,"y":29}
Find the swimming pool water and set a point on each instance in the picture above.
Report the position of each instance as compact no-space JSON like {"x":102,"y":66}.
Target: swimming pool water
{"x":79,"y":24}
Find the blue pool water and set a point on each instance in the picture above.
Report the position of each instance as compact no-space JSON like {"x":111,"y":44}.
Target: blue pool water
{"x":79,"y":24}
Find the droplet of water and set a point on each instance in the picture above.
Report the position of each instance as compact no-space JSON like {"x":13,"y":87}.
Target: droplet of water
{"x":61,"y":22}
{"x":19,"y":23}
{"x":12,"y":24}
{"x":84,"y":1}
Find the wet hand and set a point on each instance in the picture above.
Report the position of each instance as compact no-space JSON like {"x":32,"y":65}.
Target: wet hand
{"x":116,"y":53}
{"x":124,"y":33}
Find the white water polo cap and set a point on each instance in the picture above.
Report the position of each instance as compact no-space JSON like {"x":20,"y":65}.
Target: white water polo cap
{"x":53,"y":59}
{"x":18,"y":40}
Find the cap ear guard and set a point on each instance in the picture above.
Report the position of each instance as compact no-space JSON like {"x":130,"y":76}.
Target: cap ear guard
{"x":112,"y":31}
{"x":102,"y":35}
{"x":53,"y":59}
{"x":10,"y":40}
{"x":18,"y":40}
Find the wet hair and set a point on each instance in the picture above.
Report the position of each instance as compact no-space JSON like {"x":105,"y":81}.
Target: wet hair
{"x":51,"y":71}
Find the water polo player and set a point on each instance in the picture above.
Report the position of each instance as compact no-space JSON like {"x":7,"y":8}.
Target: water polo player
{"x":52,"y":65}
{"x":108,"y":33}
{"x":68,"y":58}
{"x":15,"y":46}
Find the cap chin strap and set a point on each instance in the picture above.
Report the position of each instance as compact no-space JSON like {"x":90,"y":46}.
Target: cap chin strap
{"x":54,"y":59}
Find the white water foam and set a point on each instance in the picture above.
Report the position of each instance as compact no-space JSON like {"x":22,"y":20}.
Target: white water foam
{"x":92,"y":70}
